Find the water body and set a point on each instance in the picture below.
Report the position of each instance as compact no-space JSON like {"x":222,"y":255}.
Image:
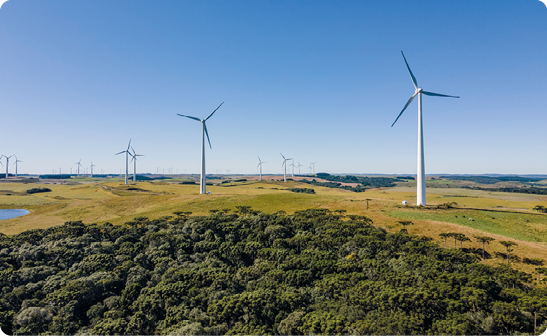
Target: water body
{"x":12,"y":213}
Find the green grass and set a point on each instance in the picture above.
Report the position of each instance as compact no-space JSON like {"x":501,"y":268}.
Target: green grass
{"x":512,"y":225}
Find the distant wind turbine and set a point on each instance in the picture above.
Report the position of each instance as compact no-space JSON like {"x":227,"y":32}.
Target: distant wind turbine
{"x":126,"y":159}
{"x":299,"y":165}
{"x":313,"y":165}
{"x":7,"y":163}
{"x":421,"y":161}
{"x":285,"y":164}
{"x":16,"y":161}
{"x":134,"y":158}
{"x":79,"y":163}
{"x":92,"y":165}
{"x":260,"y":162}
{"x":203,"y":134}
{"x":292,"y":165}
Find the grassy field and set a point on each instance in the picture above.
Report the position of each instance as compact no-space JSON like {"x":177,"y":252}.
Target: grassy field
{"x":98,"y":201}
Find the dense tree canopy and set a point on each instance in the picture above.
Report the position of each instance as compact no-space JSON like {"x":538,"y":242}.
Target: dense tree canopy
{"x":254,"y":273}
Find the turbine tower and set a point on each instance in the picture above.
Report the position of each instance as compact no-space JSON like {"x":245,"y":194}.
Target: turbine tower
{"x":203,"y":134}
{"x":312,"y":164}
{"x":293,"y":165}
{"x":285,"y":164}
{"x":134,"y":158}
{"x":7,"y":163}
{"x":79,"y":163}
{"x":299,"y":165}
{"x":126,"y":159}
{"x":260,"y":162}
{"x":16,"y":160}
{"x":92,"y":165}
{"x":421,"y":161}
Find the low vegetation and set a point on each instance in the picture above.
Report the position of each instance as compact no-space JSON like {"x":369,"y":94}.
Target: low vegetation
{"x":38,"y":190}
{"x":302,"y":190}
{"x":491,"y":179}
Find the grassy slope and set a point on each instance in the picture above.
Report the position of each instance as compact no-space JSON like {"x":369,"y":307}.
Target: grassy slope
{"x":106,"y":200}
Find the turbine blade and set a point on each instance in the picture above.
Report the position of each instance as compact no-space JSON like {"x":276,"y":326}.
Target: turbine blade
{"x":120,"y":152}
{"x":282,"y":156}
{"x":258,"y":165}
{"x":197,"y":119}
{"x":414,"y":81}
{"x":129,"y":144}
{"x":438,"y":94}
{"x":259,"y":159}
{"x":210,"y":115}
{"x":206,"y":133}
{"x":133,"y":150}
{"x":404,"y":108}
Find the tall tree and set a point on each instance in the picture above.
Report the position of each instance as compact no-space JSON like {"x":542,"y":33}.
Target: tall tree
{"x":461,"y":238}
{"x":508,"y":245}
{"x":484,"y":240}
{"x":445,"y":235}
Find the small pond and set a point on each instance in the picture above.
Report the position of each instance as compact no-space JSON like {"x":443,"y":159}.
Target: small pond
{"x":12,"y":213}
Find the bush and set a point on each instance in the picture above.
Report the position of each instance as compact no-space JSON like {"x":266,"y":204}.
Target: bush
{"x":302,"y":190}
{"x":38,"y":190}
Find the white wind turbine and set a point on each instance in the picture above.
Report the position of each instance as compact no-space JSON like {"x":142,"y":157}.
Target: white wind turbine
{"x":299,"y":165}
{"x":79,"y":163}
{"x":126,"y":159}
{"x":203,"y":134}
{"x":7,"y":163}
{"x":312,"y":164}
{"x":260,"y":162}
{"x":285,"y":164}
{"x":292,"y":166}
{"x":91,"y":167}
{"x":421,"y":161}
{"x":16,"y":160}
{"x":134,"y":158}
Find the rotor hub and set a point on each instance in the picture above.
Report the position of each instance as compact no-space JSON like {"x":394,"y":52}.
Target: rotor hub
{"x":419,"y":90}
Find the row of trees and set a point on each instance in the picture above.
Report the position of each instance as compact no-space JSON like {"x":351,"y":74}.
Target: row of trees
{"x":255,"y":273}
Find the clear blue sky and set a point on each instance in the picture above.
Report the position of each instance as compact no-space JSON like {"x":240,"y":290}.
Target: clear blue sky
{"x":315,"y":80}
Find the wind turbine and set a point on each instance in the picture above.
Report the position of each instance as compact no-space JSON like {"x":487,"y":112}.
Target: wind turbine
{"x":312,"y":164}
{"x":260,"y":162}
{"x":421,"y":161}
{"x":203,"y":134}
{"x":299,"y":165}
{"x":7,"y":163}
{"x":285,"y":164}
{"x":79,"y":163}
{"x":292,"y":165}
{"x":16,"y":160}
{"x":92,"y":165}
{"x":134,"y":158}
{"x":126,"y":159}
